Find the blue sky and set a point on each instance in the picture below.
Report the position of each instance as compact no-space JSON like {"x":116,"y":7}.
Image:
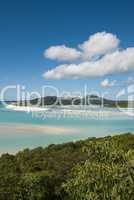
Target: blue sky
{"x":28,"y":28}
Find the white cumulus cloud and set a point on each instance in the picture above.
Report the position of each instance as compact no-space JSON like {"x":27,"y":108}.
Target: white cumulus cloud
{"x":106,"y":83}
{"x":99,"y":44}
{"x":109,"y":59}
{"x":114,"y":63}
{"x":62,"y":53}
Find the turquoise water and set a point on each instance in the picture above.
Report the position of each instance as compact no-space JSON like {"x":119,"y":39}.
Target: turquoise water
{"x":13,"y":139}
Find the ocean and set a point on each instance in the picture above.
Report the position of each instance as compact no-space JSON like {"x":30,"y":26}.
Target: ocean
{"x":21,"y":129}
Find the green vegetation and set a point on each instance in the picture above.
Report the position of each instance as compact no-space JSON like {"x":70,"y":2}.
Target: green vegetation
{"x":88,"y":100}
{"x":94,"y":169}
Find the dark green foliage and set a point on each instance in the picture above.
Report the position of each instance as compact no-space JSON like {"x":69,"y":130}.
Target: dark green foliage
{"x":39,"y":173}
{"x":108,"y":173}
{"x":94,"y":169}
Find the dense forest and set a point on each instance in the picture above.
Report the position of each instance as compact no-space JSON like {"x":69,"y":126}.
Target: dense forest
{"x":94,"y":169}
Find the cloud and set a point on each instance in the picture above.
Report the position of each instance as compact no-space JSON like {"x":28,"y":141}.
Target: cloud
{"x":130,"y":80}
{"x":96,"y":60}
{"x":62,"y":53}
{"x":107,"y":84}
{"x":99,"y":44}
{"x":114,"y":63}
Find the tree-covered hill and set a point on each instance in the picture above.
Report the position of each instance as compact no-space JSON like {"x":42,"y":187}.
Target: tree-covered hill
{"x":88,"y":100}
{"x":94,"y":169}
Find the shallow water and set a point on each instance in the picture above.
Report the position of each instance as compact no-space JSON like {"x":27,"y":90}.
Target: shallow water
{"x":19,"y":130}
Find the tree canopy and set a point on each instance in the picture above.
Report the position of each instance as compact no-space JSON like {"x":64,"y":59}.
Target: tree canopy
{"x":94,"y":169}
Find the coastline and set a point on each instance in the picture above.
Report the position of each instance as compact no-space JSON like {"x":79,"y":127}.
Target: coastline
{"x":88,"y":111}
